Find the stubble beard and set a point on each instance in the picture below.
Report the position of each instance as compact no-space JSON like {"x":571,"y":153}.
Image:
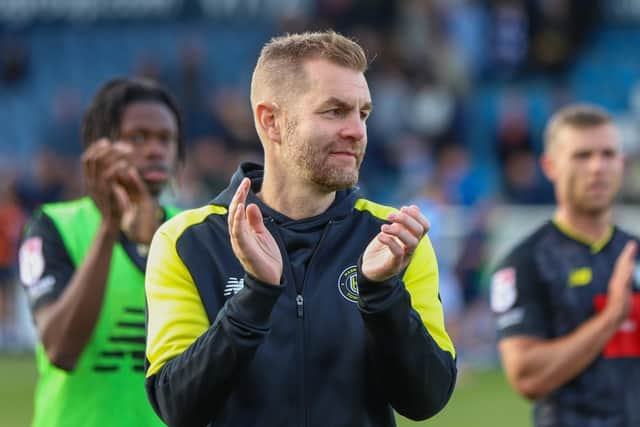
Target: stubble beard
{"x":592,"y":209}
{"x":155,"y":189}
{"x":309,"y":161}
{"x":584,"y":205}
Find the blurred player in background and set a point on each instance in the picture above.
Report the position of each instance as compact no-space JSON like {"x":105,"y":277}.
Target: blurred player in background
{"x":290,"y":300}
{"x":566,"y":302}
{"x":82,"y":262}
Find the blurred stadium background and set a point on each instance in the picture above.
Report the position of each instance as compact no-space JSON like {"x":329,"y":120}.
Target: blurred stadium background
{"x":462,"y":89}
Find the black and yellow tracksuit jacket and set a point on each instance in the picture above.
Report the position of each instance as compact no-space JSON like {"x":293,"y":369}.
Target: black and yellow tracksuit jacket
{"x":325,"y":348}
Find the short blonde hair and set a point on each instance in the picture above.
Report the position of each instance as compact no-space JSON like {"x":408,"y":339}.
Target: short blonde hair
{"x":280,"y":65}
{"x":577,"y":116}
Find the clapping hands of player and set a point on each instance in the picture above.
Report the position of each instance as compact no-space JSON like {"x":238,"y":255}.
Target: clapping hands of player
{"x":385,"y":256}
{"x":391,"y":250}
{"x":118,"y":190}
{"x":619,"y":292}
{"x":252,"y":243}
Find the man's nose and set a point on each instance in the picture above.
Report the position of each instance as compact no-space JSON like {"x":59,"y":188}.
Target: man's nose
{"x":354,"y":128}
{"x":597,"y":163}
{"x":155,"y":147}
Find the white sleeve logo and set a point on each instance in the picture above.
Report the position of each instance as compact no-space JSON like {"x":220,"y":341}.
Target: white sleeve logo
{"x":31,"y":261}
{"x":234,"y":285}
{"x":503,"y":289}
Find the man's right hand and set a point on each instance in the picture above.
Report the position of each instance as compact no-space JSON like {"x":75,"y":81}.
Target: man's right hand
{"x":619,"y":293}
{"x":103,"y":162}
{"x":252,"y":243}
{"x":143,"y":214}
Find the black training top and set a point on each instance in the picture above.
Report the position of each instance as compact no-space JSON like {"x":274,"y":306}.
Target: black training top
{"x":550,"y":284}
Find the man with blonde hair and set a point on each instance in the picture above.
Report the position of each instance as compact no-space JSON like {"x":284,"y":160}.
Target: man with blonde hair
{"x":289,"y":300}
{"x":566,"y":304}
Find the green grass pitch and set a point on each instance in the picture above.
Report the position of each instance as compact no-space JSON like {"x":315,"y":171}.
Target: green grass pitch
{"x":481,"y":399}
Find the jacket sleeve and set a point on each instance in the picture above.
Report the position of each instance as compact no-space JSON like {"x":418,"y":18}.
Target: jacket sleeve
{"x":191,"y":365}
{"x":412,"y":352}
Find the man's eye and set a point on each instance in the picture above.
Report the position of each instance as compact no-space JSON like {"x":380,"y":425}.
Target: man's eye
{"x":137,"y":138}
{"x":336,"y":112}
{"x":168,"y":139}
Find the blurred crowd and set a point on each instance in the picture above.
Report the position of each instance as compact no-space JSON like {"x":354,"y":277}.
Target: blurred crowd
{"x":461,"y":89}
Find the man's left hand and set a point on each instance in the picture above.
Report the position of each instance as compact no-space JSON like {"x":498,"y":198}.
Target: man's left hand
{"x":391,"y":250}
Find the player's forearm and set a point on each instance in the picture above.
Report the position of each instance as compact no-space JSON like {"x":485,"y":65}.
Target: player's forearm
{"x":543,"y":366}
{"x":190,"y":388}
{"x":417,"y":374}
{"x":66,"y":324}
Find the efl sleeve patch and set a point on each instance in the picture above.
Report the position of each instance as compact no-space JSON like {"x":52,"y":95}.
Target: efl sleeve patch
{"x":503,"y":289}
{"x":31,"y":261}
{"x":44,"y":263}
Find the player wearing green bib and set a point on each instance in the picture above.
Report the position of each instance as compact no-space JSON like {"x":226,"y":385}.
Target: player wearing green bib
{"x":82,"y":262}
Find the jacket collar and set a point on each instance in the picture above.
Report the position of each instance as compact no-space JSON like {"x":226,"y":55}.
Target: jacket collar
{"x":341,"y":206}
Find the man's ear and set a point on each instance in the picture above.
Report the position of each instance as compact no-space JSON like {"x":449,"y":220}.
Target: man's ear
{"x":548,"y":166}
{"x":267,"y":119}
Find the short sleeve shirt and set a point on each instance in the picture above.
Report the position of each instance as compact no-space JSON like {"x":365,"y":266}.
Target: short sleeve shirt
{"x":547,"y":287}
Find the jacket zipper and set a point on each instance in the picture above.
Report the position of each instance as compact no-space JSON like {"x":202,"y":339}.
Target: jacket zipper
{"x":299,"y":297}
{"x":286,"y":268}
{"x":300,"y":305}
{"x":302,"y":417}
{"x":300,"y":313}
